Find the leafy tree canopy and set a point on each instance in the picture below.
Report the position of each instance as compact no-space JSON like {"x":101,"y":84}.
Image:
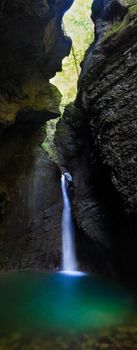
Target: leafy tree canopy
{"x":78,"y":25}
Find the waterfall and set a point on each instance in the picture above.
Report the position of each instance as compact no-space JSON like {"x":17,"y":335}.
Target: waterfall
{"x":68,"y":245}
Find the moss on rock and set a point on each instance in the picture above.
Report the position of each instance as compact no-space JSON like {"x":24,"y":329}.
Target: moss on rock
{"x":117,"y":27}
{"x":120,"y":25}
{"x":33,"y":47}
{"x":48,"y":144}
{"x":37,"y":94}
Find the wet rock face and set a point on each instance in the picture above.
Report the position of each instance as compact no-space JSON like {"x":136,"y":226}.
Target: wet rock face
{"x":109,"y":10}
{"x":104,"y":168}
{"x":33,"y":46}
{"x":108,"y":95}
{"x":30,"y":233}
{"x":91,"y":208}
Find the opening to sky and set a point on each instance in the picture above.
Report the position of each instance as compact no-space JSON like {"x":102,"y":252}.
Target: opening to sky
{"x":78,"y":25}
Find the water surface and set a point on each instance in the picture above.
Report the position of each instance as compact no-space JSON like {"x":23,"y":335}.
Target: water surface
{"x":56,"y":304}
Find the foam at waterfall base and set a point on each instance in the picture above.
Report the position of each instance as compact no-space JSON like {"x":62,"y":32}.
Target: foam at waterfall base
{"x":73,"y":273}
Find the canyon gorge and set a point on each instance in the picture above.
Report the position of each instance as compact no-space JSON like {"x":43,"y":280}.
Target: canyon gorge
{"x":68,"y":177}
{"x":95,"y":139}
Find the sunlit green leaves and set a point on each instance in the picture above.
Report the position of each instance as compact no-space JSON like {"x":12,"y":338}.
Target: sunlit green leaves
{"x":78,"y":26}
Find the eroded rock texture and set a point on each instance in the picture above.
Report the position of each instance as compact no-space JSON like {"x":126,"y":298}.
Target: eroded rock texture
{"x":97,"y":142}
{"x":32,"y":48}
{"x":31,"y":208}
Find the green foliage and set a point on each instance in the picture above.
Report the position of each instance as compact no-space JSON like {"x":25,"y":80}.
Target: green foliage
{"x":78,"y":25}
{"x":117,"y":27}
{"x":130,"y":2}
{"x":133,"y":7}
{"x":48,"y":144}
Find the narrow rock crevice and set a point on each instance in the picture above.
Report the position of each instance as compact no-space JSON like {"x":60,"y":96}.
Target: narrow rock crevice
{"x":96,"y":141}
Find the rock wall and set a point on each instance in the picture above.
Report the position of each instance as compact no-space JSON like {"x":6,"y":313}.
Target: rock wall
{"x":32,"y":48}
{"x":31,"y":208}
{"x":96,"y":141}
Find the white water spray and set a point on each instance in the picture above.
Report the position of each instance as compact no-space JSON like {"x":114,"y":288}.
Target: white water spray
{"x":68,"y":255}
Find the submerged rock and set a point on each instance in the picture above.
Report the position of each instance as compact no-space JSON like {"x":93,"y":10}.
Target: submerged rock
{"x":118,"y":338}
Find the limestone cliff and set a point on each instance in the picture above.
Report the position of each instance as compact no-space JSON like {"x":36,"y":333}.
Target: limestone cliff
{"x":32,"y":48}
{"x":96,"y":141}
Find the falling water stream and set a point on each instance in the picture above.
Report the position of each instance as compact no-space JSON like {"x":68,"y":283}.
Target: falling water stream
{"x":68,"y":245}
{"x":57,"y":311}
